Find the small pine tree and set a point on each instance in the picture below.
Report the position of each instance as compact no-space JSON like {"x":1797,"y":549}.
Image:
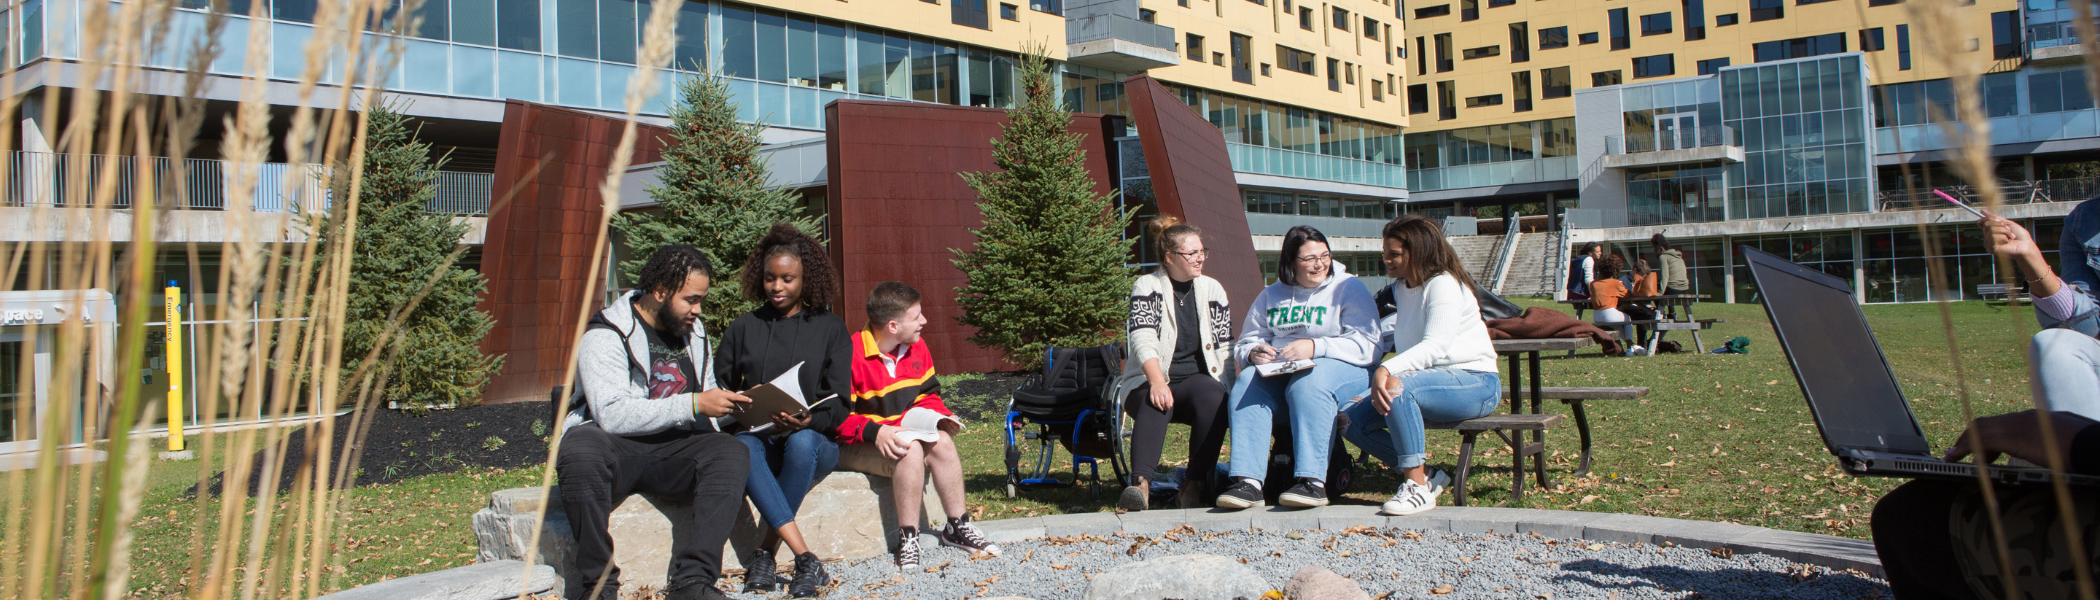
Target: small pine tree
{"x":712,"y":194}
{"x":437,"y":358}
{"x":1051,"y":264}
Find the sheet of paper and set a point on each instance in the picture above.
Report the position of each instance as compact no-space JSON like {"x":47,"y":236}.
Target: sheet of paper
{"x":1281,"y":368}
{"x":925,"y":424}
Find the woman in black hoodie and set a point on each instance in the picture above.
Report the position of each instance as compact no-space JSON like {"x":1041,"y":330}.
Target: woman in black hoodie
{"x":790,"y":274}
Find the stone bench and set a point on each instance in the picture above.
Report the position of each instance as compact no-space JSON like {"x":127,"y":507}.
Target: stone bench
{"x":839,"y":519}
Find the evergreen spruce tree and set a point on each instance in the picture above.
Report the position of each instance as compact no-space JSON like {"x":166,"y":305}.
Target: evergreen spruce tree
{"x":436,"y":354}
{"x":1050,"y":266}
{"x":713,"y":195}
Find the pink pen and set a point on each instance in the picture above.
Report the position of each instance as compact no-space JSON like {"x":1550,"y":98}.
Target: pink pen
{"x":1972,"y":210}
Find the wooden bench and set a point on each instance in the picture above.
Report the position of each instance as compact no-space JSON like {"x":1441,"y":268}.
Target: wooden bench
{"x":2002,"y":291}
{"x":1658,"y":326}
{"x":1573,"y":398}
{"x":1510,"y":428}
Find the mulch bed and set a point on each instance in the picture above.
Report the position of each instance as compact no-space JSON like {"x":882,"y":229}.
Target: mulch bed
{"x":985,"y":398}
{"x":402,"y":445}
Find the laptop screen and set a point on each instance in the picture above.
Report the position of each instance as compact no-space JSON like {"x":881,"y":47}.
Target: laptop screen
{"x":1850,"y":388}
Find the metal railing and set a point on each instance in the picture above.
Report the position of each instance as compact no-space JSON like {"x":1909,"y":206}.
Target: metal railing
{"x":2014,"y":192}
{"x":1102,"y":27}
{"x":1676,"y":139}
{"x":1498,"y":267}
{"x":74,"y":180}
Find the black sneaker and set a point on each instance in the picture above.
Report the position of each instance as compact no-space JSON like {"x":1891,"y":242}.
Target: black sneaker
{"x":1309,"y":493}
{"x":761,"y":574}
{"x":1245,"y":493}
{"x":697,"y":591}
{"x":961,"y":534}
{"x":908,"y":549}
{"x":809,"y":576}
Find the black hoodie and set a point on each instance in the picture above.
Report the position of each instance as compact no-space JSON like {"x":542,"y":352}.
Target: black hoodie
{"x":762,"y":344}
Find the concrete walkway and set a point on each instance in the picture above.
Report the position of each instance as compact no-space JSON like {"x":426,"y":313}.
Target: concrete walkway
{"x":1821,"y":550}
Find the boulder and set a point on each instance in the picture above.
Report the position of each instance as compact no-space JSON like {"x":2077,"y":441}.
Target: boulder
{"x":1318,"y":583}
{"x":847,"y":516}
{"x":495,"y":580}
{"x":1184,"y":577}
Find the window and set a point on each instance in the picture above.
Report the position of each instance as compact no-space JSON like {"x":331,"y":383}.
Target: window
{"x":1654,"y":66}
{"x":1588,"y":38}
{"x":1305,"y":19}
{"x":1370,"y":28}
{"x":1883,"y":2}
{"x":1242,"y":57}
{"x":1265,"y":70}
{"x":1377,"y":90}
{"x":1520,"y":90}
{"x":1694,"y":20}
{"x":1604,"y":78}
{"x":1009,"y":12}
{"x":1801,"y":47}
{"x":1724,"y":20}
{"x":2001,"y":94}
{"x":1619,"y":38}
{"x":1903,"y":47}
{"x":1519,"y":42}
{"x":577,"y":33}
{"x":1292,"y":59}
{"x":1447,"y":100}
{"x":1501,"y":3}
{"x":1808,"y":2}
{"x":2005,"y":34}
{"x":1468,"y":10}
{"x":1712,"y":65}
{"x":1182,"y":3}
{"x":1148,"y":15}
{"x":1341,"y":19}
{"x":1440,"y":10}
{"x":1417,"y":98}
{"x":1553,"y":37}
{"x":1483,"y":52}
{"x":1348,"y":72}
{"x":1488,"y":100}
{"x":1421,"y":55}
{"x":969,"y":13}
{"x":1334,"y":81}
{"x":1194,"y":45}
{"x":1766,"y":10}
{"x":2057,"y":92}
{"x":518,"y":24}
{"x":1655,"y":24}
{"x":1217,"y":58}
{"x":1443,"y":53}
{"x":1055,"y":7}
{"x":1870,"y":40}
{"x":1558,"y":82}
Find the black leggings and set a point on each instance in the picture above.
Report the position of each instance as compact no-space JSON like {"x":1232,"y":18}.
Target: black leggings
{"x":1199,"y":401}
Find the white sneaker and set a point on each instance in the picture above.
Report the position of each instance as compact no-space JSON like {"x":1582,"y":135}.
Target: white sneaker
{"x":1636,"y":351}
{"x":1439,"y":480}
{"x":1413,"y":498}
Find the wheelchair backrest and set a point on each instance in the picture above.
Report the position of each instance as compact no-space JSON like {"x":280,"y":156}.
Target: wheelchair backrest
{"x":1082,"y":368}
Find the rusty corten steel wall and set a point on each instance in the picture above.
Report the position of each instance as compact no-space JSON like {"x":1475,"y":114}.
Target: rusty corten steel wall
{"x":1192,"y":177}
{"x":538,"y":251}
{"x":897,"y":206}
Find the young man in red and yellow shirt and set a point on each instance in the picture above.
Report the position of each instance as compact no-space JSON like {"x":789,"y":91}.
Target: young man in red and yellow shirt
{"x":893,"y":375}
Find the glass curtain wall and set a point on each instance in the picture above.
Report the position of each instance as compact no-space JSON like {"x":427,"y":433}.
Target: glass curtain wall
{"x":1257,"y":123}
{"x":1315,"y":205}
{"x":1507,"y":142}
{"x":1803,"y":127}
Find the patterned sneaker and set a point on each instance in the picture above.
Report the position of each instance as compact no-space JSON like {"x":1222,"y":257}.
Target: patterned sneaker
{"x":1413,"y":498}
{"x":1439,"y":480}
{"x":961,"y":534}
{"x":1245,"y":493}
{"x":1309,"y":493}
{"x":908,"y":549}
{"x":810,"y":577}
{"x":761,"y":574}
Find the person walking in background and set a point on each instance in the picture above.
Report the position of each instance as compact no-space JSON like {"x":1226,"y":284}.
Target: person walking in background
{"x":1444,"y":367}
{"x":1670,"y":263}
{"x":1315,"y":312}
{"x":790,"y":274}
{"x":1175,"y":364}
{"x":893,"y":377}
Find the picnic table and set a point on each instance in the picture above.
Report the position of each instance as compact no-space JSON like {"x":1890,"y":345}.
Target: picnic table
{"x":1662,"y":304}
{"x":1519,"y":353}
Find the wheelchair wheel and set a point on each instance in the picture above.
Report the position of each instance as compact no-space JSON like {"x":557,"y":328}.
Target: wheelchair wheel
{"x":1119,"y":434}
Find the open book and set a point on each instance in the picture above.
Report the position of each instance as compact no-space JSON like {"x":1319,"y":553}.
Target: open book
{"x":925,"y":425}
{"x":782,"y":395}
{"x":1274,"y":368}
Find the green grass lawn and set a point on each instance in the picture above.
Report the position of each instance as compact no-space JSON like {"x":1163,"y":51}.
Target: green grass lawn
{"x":1721,"y":438}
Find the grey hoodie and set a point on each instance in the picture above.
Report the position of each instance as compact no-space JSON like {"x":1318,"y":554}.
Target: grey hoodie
{"x":612,"y":363}
{"x":1339,"y":316}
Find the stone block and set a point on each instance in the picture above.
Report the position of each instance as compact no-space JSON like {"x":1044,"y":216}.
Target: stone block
{"x":1278,"y":518}
{"x":1153,"y":522}
{"x":834,"y":519}
{"x":1479,"y":520}
{"x":1624,"y":529}
{"x":1338,"y":517}
{"x":1825,"y":550}
{"x":1218,"y":519}
{"x":1099,"y":523}
{"x":1555,"y":524}
{"x":498,"y":580}
{"x":1705,"y":534}
{"x":1007,"y":531}
{"x":1185,"y":576}
{"x":1432,"y":521}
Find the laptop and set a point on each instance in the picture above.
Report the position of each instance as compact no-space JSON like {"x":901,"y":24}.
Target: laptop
{"x":1858,"y":407}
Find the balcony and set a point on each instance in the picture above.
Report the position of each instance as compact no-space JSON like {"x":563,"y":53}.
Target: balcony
{"x":1713,"y":143}
{"x":1248,"y":158}
{"x":1119,"y":43}
{"x":2014,"y":192}
{"x":50,"y":180}
{"x":1513,"y":172}
{"x":2052,"y":43}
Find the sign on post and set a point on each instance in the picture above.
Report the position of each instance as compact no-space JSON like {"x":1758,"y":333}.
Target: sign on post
{"x":174,"y":354}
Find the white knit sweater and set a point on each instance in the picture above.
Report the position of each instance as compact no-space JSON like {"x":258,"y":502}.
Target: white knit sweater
{"x":1436,"y":325}
{"x":1152,"y":330}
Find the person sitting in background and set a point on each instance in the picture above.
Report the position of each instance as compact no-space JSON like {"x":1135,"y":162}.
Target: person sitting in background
{"x":893,"y":375}
{"x":648,"y":421}
{"x":1174,"y":368}
{"x":2064,"y":358}
{"x":1609,"y":294}
{"x":1314,"y":312}
{"x":1581,"y":271}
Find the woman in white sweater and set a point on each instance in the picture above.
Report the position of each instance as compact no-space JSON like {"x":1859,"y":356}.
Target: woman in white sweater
{"x":1444,"y":366}
{"x":1175,"y":364}
{"x":1315,"y":313}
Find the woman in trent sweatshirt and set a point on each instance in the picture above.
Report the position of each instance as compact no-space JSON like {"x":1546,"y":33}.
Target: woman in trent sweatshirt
{"x":1314,"y":312}
{"x":790,"y":274}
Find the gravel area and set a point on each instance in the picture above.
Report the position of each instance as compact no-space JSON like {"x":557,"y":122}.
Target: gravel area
{"x":1385,"y":563}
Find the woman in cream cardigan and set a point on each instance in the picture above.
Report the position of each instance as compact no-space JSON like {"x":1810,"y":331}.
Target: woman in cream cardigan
{"x":1175,"y":365}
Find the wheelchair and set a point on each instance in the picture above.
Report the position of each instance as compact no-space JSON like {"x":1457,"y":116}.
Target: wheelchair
{"x":1068,"y":404}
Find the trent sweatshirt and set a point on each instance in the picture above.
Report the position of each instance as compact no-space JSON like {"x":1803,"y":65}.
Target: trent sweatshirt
{"x":1338,"y":316}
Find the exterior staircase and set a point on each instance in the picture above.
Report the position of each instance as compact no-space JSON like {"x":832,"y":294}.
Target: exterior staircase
{"x":1532,"y":271}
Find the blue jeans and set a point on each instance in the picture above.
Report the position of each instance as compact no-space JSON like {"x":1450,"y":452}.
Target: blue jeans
{"x":1315,"y":396}
{"x":1440,"y":395}
{"x":2066,"y":372}
{"x":784,"y":468}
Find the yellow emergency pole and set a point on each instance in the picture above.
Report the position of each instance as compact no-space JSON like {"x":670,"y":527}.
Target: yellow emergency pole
{"x":174,"y":355}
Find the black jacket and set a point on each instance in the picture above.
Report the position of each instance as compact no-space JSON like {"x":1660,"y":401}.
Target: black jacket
{"x":762,"y":344}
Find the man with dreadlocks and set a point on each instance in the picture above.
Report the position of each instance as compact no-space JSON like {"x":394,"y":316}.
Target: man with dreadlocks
{"x":645,"y":418}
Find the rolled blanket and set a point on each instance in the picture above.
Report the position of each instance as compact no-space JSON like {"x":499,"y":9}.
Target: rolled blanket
{"x":1537,"y":323}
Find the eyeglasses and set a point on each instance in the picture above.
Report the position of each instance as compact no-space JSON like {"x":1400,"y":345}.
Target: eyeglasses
{"x":1325,"y":256}
{"x":1193,"y":255}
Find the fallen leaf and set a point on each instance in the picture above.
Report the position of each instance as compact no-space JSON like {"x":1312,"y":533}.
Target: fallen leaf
{"x":1294,"y":536}
{"x":1443,"y":589}
{"x":1723,"y":552}
{"x":1595,"y":546}
{"x":1772,"y":382}
{"x":1668,"y":464}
